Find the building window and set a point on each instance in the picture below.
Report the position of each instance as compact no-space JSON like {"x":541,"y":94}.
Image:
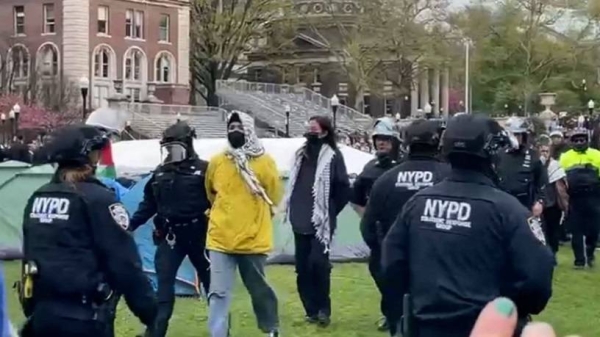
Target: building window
{"x":389,"y":106}
{"x":48,"y":60}
{"x":133,"y":94}
{"x":316,"y":76}
{"x":19,"y":20}
{"x":133,"y":65}
{"x":103,"y":20}
{"x":49,"y":20}
{"x":163,"y":68}
{"x":134,"y":24}
{"x":19,"y":61}
{"x":100,"y":94}
{"x":164,"y":28}
{"x":102,"y":63}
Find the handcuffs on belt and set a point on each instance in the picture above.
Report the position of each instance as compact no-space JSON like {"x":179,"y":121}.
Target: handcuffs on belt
{"x":171,"y":238}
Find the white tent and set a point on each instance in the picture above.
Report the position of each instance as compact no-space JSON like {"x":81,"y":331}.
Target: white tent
{"x":142,"y":156}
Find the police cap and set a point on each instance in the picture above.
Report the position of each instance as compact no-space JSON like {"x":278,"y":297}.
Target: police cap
{"x":71,"y":145}
{"x":178,"y":132}
{"x":475,"y":135}
{"x":424,"y":132}
{"x":579,"y":132}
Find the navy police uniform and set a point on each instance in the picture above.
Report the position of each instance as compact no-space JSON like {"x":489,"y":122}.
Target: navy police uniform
{"x":521,"y":171}
{"x":176,"y":195}
{"x":71,"y":267}
{"x":384,"y":131}
{"x":460,"y":244}
{"x":392,"y":190}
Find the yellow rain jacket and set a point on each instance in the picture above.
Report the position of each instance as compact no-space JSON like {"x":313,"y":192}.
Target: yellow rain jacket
{"x":239,"y":221}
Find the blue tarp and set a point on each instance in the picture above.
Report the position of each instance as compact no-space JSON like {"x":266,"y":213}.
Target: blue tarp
{"x":186,"y":276}
{"x":119,"y":189}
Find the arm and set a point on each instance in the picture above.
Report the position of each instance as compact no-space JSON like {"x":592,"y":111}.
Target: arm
{"x":208,"y":181}
{"x":394,"y":260}
{"x":358,"y":196}
{"x":532,"y":266}
{"x":370,"y":222}
{"x":123,"y":266}
{"x":341,"y":184}
{"x":271,"y":181}
{"x":540,"y":180}
{"x":147,"y":208}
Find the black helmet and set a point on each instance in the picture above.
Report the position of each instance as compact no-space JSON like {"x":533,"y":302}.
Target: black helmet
{"x":579,"y":132}
{"x":474,"y":135}
{"x":178,"y":132}
{"x":423,"y":132}
{"x":177,"y":143}
{"x":71,"y":145}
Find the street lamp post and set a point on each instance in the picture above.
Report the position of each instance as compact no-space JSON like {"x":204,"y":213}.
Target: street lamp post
{"x":3,"y":118}
{"x":287,"y":121}
{"x":178,"y":117}
{"x":506,"y":109}
{"x":591,"y":105}
{"x":11,"y":117}
{"x":84,"y":84}
{"x":335,"y":103}
{"x":17,"y":110}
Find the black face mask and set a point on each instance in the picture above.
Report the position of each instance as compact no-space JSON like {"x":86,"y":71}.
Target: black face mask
{"x":236,"y":139}
{"x":384,"y":159}
{"x":313,"y":138}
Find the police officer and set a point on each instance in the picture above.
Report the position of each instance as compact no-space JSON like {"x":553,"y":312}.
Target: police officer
{"x":463,"y":242}
{"x":582,"y":165}
{"x":70,"y":230}
{"x":176,"y":195}
{"x":521,"y":171}
{"x":393,"y":189}
{"x":387,"y":143}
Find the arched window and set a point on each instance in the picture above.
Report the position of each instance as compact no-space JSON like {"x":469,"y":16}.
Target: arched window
{"x":102,"y":63}
{"x":164,"y":68}
{"x":47,"y":62}
{"x":19,"y":62}
{"x":133,"y":65}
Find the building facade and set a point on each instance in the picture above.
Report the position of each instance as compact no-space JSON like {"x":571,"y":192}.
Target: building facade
{"x":310,"y":62}
{"x":136,"y":47}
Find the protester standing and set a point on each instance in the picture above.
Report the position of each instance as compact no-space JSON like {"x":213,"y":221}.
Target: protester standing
{"x":243,"y":186}
{"x":318,"y":190}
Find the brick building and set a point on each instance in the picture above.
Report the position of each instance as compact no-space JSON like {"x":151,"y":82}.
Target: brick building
{"x":139,"y":46}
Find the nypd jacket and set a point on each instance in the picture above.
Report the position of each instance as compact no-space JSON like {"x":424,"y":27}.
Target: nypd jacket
{"x":365,"y":180}
{"x":71,"y":231}
{"x":393,"y":189}
{"x":523,"y":175}
{"x":462,"y":243}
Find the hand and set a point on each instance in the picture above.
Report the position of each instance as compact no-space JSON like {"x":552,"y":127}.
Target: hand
{"x":537,"y":209}
{"x":499,"y":319}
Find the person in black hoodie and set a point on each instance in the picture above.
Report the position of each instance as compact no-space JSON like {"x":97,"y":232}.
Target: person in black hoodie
{"x":318,"y":190}
{"x":19,"y":151}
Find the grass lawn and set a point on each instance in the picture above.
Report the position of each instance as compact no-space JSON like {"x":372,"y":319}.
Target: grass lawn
{"x":574,"y":308}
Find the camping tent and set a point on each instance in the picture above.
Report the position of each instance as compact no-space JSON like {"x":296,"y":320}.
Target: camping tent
{"x":14,"y":193}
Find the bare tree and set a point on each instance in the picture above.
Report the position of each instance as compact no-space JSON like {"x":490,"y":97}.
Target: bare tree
{"x":222,"y":32}
{"x":386,"y":40}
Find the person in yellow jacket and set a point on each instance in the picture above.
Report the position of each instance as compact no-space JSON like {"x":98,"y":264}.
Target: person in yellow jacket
{"x":582,"y":165}
{"x":243,"y":186}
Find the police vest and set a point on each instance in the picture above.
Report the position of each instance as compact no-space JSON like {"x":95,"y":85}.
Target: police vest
{"x":517,"y":176}
{"x":180,"y":194}
{"x":58,"y":238}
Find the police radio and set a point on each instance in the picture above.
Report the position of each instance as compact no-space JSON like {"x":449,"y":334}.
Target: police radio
{"x":25,"y":287}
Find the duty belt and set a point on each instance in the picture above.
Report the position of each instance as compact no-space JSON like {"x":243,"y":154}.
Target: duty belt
{"x":171,"y":238}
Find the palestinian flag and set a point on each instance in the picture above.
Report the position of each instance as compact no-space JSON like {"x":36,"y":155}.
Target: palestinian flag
{"x":106,"y":167}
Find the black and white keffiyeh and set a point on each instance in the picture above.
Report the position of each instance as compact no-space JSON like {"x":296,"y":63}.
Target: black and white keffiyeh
{"x":321,"y":191}
{"x":251,"y":149}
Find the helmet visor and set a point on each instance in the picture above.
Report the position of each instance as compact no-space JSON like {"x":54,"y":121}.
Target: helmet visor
{"x":173,"y":152}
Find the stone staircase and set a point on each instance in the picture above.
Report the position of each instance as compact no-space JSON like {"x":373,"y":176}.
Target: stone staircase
{"x":270,"y":101}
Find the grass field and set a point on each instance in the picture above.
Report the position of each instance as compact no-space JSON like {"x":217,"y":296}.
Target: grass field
{"x":574,"y":308}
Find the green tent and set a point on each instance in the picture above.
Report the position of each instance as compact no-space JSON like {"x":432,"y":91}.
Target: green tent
{"x":8,"y":169}
{"x":14,"y":193}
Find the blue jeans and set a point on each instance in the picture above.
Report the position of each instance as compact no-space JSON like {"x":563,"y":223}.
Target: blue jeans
{"x":252,"y":272}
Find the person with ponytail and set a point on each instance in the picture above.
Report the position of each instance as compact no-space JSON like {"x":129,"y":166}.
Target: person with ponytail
{"x":71,"y":225}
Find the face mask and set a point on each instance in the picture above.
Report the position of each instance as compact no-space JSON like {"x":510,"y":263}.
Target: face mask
{"x":384,"y":158}
{"x":543,"y":159}
{"x":312,"y":137}
{"x":236,"y":139}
